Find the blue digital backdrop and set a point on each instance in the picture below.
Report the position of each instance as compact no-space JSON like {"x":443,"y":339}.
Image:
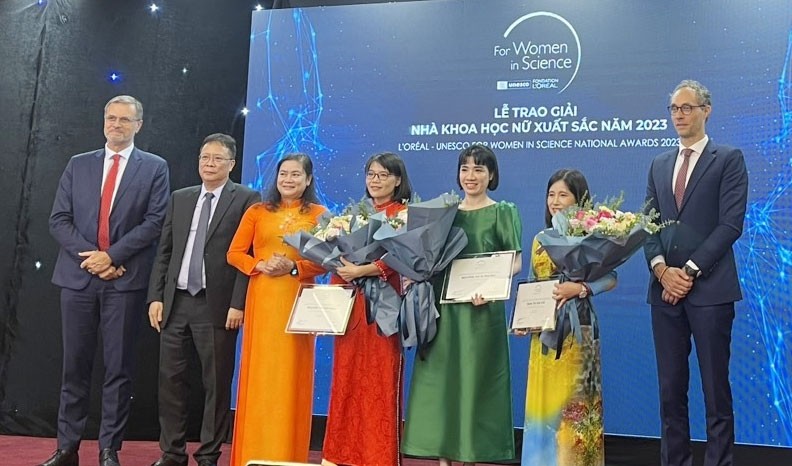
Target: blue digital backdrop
{"x":551,"y":84}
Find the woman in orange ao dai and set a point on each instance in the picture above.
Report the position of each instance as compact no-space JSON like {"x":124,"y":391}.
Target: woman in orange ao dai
{"x":273,"y":416}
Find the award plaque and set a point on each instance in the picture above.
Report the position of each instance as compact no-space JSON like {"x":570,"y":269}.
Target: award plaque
{"x":488,"y":274}
{"x":534,"y":307}
{"x":321,"y":309}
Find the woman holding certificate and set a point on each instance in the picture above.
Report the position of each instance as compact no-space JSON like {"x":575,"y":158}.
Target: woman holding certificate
{"x":364,"y":417}
{"x":273,"y":416}
{"x":563,"y":405}
{"x":460,"y":397}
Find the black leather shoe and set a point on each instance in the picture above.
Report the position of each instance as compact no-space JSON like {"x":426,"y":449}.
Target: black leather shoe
{"x":63,"y":458}
{"x":108,"y":457}
{"x":207,"y":463}
{"x":163,"y":461}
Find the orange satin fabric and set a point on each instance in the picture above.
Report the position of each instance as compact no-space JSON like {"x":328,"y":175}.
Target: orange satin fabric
{"x":273,"y":416}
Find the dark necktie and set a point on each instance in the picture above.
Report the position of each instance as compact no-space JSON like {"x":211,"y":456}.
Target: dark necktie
{"x":103,"y":234}
{"x":679,"y":184}
{"x":195,"y":269}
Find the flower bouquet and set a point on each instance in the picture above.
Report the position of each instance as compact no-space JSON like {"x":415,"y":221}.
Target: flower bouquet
{"x":586,"y":243}
{"x":399,"y":221}
{"x":351,"y":235}
{"x":418,"y":249}
{"x":331,"y":227}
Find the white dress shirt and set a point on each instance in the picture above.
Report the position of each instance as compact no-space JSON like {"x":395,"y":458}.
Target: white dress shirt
{"x":181,"y":282}
{"x":697,"y":148}
{"x":108,"y":163}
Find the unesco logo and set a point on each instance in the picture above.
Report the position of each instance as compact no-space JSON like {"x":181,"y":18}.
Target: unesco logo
{"x":541,"y":51}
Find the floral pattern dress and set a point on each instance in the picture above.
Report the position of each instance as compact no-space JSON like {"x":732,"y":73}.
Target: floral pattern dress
{"x":563,"y":403}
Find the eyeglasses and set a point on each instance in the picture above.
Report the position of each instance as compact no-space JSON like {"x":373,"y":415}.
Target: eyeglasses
{"x":685,"y":108}
{"x":379,"y":176}
{"x":123,"y":120}
{"x":212,"y":158}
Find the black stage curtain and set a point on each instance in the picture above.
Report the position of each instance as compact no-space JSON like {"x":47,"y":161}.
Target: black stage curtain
{"x":55,"y":60}
{"x":56,"y":57}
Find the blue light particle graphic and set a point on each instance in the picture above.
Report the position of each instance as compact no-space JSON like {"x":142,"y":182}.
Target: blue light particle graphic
{"x":298,"y":119}
{"x":765,"y":255}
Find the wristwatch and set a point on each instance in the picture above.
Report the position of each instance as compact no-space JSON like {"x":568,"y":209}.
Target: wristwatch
{"x":690,"y":271}
{"x":294,"y":272}
{"x":583,"y":291}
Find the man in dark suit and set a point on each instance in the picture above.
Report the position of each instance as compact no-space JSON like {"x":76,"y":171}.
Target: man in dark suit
{"x":107,"y":216}
{"x":700,"y":189}
{"x":197,"y":301}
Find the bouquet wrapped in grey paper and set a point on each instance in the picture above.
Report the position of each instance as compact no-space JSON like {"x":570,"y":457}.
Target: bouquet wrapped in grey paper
{"x":585,"y":244}
{"x":351,"y":235}
{"x":419,"y":250}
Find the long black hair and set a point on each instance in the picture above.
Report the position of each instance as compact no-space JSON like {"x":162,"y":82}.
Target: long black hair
{"x":273,"y":197}
{"x":576,"y":183}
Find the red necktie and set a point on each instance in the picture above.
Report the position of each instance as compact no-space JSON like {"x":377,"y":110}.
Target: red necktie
{"x":681,"y":179}
{"x":104,"y":207}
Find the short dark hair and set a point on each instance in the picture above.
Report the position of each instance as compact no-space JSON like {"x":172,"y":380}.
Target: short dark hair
{"x":481,"y":155}
{"x":273,"y":197}
{"x":577,"y":184}
{"x":395,"y":166}
{"x":227,"y":141}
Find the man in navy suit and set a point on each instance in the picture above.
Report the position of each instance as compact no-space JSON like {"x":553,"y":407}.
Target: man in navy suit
{"x":203,"y":317}
{"x":107,"y":217}
{"x":700,"y":189}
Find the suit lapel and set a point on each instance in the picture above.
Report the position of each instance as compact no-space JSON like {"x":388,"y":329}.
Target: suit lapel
{"x":183,"y":210}
{"x":226,"y":198}
{"x":94,"y":189}
{"x":96,"y":171}
{"x":667,"y":179}
{"x":132,"y":167}
{"x":705,"y":160}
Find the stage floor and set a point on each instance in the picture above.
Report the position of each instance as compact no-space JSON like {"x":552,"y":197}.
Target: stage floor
{"x":28,"y":451}
{"x":619,"y":451}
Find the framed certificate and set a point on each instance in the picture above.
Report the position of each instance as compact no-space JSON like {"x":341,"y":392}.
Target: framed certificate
{"x":488,"y":274}
{"x":322,"y":309}
{"x":534,"y":307}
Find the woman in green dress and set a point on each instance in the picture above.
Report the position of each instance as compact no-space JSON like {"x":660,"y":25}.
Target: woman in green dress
{"x":563,"y":401}
{"x":460,"y":398}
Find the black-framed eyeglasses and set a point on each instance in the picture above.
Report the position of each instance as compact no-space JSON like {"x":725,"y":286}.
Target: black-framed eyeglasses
{"x":686,"y":109}
{"x":212,"y":158}
{"x":381,"y":176}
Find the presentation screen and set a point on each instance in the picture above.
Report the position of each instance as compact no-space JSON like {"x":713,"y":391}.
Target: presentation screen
{"x":551,"y":85}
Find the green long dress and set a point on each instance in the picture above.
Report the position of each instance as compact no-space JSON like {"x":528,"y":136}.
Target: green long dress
{"x":460,"y":404}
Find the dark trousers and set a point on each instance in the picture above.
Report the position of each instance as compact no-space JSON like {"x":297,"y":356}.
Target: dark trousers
{"x":189,"y":328}
{"x":118,"y":316}
{"x":710,"y":327}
